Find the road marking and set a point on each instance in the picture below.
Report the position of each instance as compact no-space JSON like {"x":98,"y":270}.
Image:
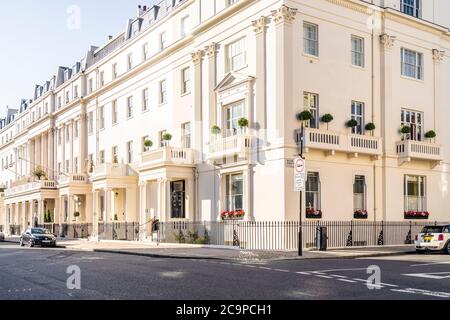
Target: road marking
{"x":325,"y":277}
{"x":429,"y":264}
{"x":281,"y":270}
{"x":346,"y":280}
{"x":304,"y":273}
{"x":265,"y":268}
{"x":435,"y":275}
{"x":338,"y":276}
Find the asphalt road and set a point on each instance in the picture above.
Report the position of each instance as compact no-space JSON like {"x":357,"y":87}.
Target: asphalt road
{"x":41,"y":274}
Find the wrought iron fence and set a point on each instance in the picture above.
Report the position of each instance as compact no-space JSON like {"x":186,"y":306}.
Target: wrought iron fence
{"x":127,"y":231}
{"x":284,"y":235}
{"x":15,"y":230}
{"x":72,"y":231}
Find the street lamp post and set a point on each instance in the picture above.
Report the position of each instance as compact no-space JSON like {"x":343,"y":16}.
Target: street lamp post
{"x":300,"y":231}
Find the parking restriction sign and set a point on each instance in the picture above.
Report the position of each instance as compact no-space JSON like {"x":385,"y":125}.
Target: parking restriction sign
{"x":299,"y":174}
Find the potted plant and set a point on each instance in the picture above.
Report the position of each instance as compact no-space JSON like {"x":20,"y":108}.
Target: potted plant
{"x":39,"y":173}
{"x":404,"y":130}
{"x":215,"y":130}
{"x":167,"y":137}
{"x":116,"y":217}
{"x":370,"y":127}
{"x":304,"y":116}
{"x":327,"y":118}
{"x":360,"y":214}
{"x":243,"y":123}
{"x":430,"y":135}
{"x":351,"y":123}
{"x":148,"y":143}
{"x":76,"y":215}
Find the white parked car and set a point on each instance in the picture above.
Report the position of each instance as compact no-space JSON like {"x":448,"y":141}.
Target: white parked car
{"x":433,"y":238}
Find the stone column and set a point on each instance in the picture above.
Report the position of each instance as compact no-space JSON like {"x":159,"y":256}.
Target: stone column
{"x":197,"y":59}
{"x":16,"y":157}
{"x":42,"y":152}
{"x":82,"y":139}
{"x":63,"y":148}
{"x":162,"y":199}
{"x":260,"y":27}
{"x":284,"y":74}
{"x":221,"y":205}
{"x":108,"y":199}
{"x":71,"y":138}
{"x":95,"y":213}
{"x":211,"y":52}
{"x":143,"y":219}
{"x":40,"y":213}
{"x":56,"y":211}
{"x":71,"y":208}
{"x":248,"y":194}
{"x":387,"y":42}
{"x":30,"y":158}
{"x":37,"y":152}
{"x":50,"y":150}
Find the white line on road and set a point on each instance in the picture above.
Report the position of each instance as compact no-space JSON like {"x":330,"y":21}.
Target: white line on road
{"x":346,"y":280}
{"x":325,"y":277}
{"x":282,"y":270}
{"x":429,"y":264}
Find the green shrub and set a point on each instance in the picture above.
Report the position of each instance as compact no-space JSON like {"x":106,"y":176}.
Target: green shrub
{"x":304,"y":116}
{"x":430,"y":134}
{"x":370,"y":126}
{"x":351,"y":123}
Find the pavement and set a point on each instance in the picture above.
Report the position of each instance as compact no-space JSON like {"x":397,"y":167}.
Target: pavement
{"x":37,"y":273}
{"x":189,"y":251}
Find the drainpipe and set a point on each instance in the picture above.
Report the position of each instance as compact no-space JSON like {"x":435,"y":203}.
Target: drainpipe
{"x":372,"y":57}
{"x":196,"y":197}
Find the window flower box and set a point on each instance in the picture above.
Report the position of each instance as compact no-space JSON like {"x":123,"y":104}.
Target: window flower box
{"x":417,"y":215}
{"x":233,"y":215}
{"x":360,"y":214}
{"x":313,"y":214}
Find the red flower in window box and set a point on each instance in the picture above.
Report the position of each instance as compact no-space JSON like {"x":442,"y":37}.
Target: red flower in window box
{"x":232,"y":215}
{"x":312,"y":213}
{"x":417,"y":215}
{"x":360,"y":214}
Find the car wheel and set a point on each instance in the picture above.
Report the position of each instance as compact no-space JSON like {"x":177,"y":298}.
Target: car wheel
{"x":447,"y":248}
{"x":30,"y":244}
{"x":420,"y":251}
{"x":21,"y":242}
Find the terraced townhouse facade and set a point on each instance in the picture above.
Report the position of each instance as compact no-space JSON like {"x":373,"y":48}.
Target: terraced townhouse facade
{"x":150,"y":125}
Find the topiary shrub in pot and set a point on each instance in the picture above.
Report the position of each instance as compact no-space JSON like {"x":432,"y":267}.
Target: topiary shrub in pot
{"x":327,"y":118}
{"x":304,"y":116}
{"x":430,"y":135}
{"x":370,"y":127}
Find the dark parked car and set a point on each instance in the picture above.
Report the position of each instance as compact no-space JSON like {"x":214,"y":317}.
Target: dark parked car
{"x":2,"y":236}
{"x":37,"y":237}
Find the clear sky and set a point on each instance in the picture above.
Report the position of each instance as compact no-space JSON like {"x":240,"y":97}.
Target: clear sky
{"x":39,"y":36}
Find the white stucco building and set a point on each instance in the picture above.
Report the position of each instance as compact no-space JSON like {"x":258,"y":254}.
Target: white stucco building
{"x":98,"y":130}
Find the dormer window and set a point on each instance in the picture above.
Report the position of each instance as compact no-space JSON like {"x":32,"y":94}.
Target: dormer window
{"x":412,"y":7}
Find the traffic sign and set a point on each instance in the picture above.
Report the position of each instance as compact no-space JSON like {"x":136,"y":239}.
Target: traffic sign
{"x":299,"y":174}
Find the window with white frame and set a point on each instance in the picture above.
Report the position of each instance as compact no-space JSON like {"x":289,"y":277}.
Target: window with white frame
{"x":75,"y":129}
{"x":359,"y":194}
{"x":230,"y":2}
{"x":75,"y":165}
{"x":232,"y":114}
{"x":415,"y":193}
{"x":412,"y":64}
{"x":129,"y":107}
{"x":186,"y":135}
{"x":101,"y":157}
{"x":236,"y":55}
{"x":311,"y":103}
{"x":67,"y":133}
{"x":412,"y":7}
{"x":413,"y":120}
{"x":102,"y":118}
{"x":234,"y":192}
{"x":145,"y":100}
{"x":358,"y":51}
{"x":185,"y":81}
{"x":144,"y":147}
{"x":115,"y":154}
{"x":162,"y":91}
{"x":130,"y":152}
{"x":130,"y":61}
{"x":67,"y":168}
{"x":91,"y":85}
{"x":313,"y":192}
{"x":114,"y":112}
{"x":102,"y":78}
{"x":162,"y":41}
{"x":163,"y":143}
{"x":184,"y":25}
{"x":75,"y":92}
{"x":358,"y":115}
{"x":145,"y":52}
{"x":114,"y":71}
{"x":91,"y":163}
{"x":67,"y":100}
{"x":59,"y":105}
{"x":311,"y":39}
{"x":91,"y":122}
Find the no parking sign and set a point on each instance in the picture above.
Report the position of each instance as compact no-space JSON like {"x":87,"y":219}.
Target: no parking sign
{"x":299,"y":174}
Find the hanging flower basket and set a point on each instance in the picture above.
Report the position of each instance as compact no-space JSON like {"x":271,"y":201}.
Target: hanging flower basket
{"x":417,"y":215}
{"x":360,"y":214}
{"x":233,"y":215}
{"x":313,"y":214}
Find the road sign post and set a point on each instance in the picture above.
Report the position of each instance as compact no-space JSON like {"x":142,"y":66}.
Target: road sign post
{"x":300,"y":186}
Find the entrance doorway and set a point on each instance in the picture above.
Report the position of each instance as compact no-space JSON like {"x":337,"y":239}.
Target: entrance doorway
{"x":178,"y":202}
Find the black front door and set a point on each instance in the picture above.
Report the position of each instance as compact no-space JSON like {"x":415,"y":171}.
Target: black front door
{"x":177,"y":196}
